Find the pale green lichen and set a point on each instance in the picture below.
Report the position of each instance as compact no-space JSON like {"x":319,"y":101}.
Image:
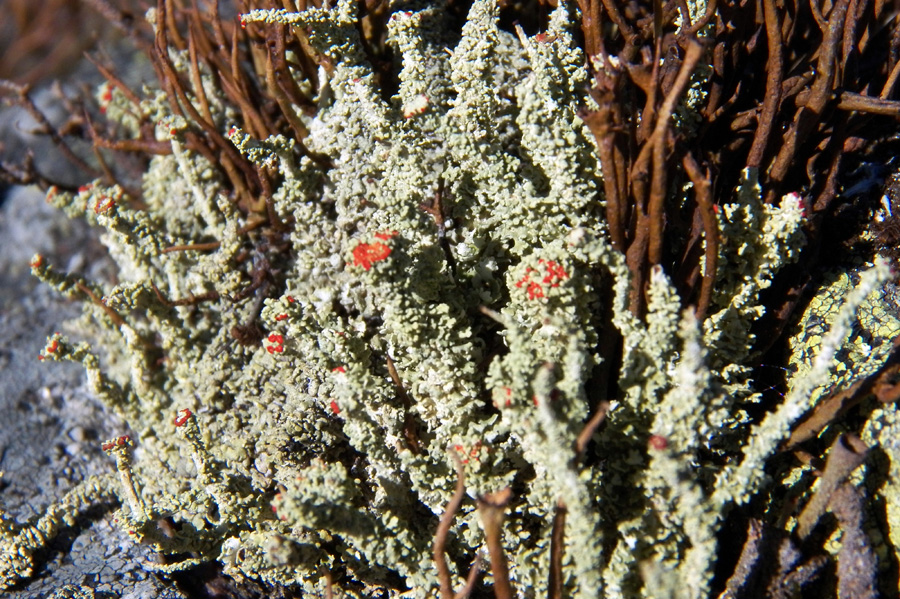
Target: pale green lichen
{"x":372,"y":369}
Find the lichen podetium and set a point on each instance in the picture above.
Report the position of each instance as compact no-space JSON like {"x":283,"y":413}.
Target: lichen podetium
{"x":436,"y":279}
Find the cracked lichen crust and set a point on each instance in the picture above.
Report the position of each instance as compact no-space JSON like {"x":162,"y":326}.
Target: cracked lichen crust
{"x":326,"y":446}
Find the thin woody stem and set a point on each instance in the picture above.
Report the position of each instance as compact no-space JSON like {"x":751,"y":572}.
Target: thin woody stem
{"x":774,"y":75}
{"x":440,"y":537}
{"x":492,"y":508}
{"x":703,"y":195}
{"x":557,"y":544}
{"x":659,"y":145}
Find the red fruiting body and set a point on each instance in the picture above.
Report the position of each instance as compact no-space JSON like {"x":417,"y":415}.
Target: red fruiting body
{"x":657,"y":442}
{"x":117,"y":442}
{"x":105,"y":98}
{"x":104,"y":204}
{"x":182,"y":417}
{"x":281,"y":317}
{"x":278,"y":340}
{"x":339,"y":369}
{"x":555,"y":273}
{"x":534,"y":288}
{"x":508,"y":401}
{"x":796,"y":197}
{"x":366,"y":254}
{"x":334,"y":407}
{"x":37,"y":261}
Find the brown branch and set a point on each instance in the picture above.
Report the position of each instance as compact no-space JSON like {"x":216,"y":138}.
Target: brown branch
{"x":438,"y":211}
{"x":239,"y":94}
{"x":172,"y":31}
{"x":443,"y":530}
{"x":287,"y":83}
{"x":851,"y":101}
{"x":888,"y":87}
{"x":274,"y":64}
{"x":140,"y":146}
{"x":846,"y":454}
{"x":704,"y":20}
{"x":471,"y":579}
{"x":817,"y":15}
{"x":287,"y":109}
{"x":659,"y":143}
{"x":268,"y":196}
{"x":851,"y":45}
{"x":196,"y":81}
{"x":108,"y":176}
{"x":703,"y":195}
{"x":492,"y":508}
{"x":26,"y":174}
{"x":616,"y":17}
{"x":820,"y":93}
{"x":187,"y":301}
{"x":409,"y":425}
{"x":746,"y":565}
{"x":590,"y":26}
{"x":23,"y":100}
{"x":198,"y":247}
{"x":121,"y":20}
{"x":857,"y":569}
{"x":112,"y":78}
{"x":774,"y":74}
{"x":113,"y":315}
{"x":600,"y":122}
{"x":590,"y":428}
{"x":555,"y":580}
{"x":179,"y":99}
{"x":839,"y":402}
{"x":329,"y":584}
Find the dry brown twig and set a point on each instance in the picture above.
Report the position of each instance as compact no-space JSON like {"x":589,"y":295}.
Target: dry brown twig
{"x":492,"y":509}
{"x":439,"y":549}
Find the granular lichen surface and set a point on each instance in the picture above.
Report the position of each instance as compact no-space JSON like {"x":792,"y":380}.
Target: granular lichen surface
{"x":428,"y":305}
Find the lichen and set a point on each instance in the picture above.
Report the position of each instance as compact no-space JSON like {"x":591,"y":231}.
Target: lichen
{"x":404,"y":335}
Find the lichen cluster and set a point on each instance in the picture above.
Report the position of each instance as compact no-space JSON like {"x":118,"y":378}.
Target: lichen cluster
{"x":446,"y":280}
